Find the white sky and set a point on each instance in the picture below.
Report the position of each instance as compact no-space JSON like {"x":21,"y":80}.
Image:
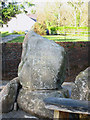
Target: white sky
{"x":37,"y":1}
{"x":58,"y":0}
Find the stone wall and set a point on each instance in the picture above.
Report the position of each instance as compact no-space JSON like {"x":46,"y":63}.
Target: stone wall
{"x":11,"y":56}
{"x":77,"y":59}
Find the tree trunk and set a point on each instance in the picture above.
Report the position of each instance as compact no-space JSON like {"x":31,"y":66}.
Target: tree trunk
{"x":59,"y":19}
{"x":75,"y":17}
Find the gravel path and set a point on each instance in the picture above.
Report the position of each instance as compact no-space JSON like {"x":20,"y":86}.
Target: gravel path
{"x":9,"y":38}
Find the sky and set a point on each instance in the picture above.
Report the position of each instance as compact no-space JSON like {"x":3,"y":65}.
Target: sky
{"x":58,"y":0}
{"x":41,"y":2}
{"x":37,"y":1}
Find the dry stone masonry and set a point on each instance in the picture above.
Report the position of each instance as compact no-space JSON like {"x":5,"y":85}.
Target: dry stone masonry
{"x":81,"y":90}
{"x":43,"y":63}
{"x":32,"y":101}
{"x":41,"y":73}
{"x":8,"y":96}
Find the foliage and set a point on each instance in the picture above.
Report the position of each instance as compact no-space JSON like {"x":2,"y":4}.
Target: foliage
{"x":17,"y":40}
{"x":29,"y":4}
{"x":4,"y":34}
{"x":40,"y":28}
{"x":9,"y":11}
{"x":77,"y":11}
{"x":19,"y":32}
{"x":63,"y":14}
{"x":33,"y":11}
{"x":54,"y":30}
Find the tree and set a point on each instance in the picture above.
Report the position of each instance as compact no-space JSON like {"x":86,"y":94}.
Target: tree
{"x":58,"y":6}
{"x":77,"y":11}
{"x":52,"y":13}
{"x":11,"y":9}
{"x":55,"y":14}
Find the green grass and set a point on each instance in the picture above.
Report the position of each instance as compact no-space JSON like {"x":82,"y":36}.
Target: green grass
{"x":56,"y":38}
{"x":17,"y":40}
{"x":4,"y":34}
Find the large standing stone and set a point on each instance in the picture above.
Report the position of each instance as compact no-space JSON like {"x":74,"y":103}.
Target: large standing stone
{"x":8,"y":96}
{"x":32,"y":101}
{"x":43,"y":63}
{"x":81,"y":90}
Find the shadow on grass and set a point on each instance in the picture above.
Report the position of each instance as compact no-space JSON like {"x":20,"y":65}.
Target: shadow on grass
{"x":58,"y":40}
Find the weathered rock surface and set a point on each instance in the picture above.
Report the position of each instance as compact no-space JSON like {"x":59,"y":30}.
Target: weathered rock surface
{"x":8,"y":96}
{"x":68,"y":86}
{"x":32,"y":101}
{"x":17,"y":115}
{"x":43,"y":63}
{"x":81,"y":89}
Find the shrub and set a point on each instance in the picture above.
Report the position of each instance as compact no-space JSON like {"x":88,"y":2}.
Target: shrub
{"x":55,"y":30}
{"x":40,"y":28}
{"x":19,"y":32}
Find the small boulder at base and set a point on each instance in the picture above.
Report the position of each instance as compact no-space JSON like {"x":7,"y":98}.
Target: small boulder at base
{"x":42,"y":64}
{"x":32,"y":101}
{"x":8,"y":96}
{"x":81,"y":89}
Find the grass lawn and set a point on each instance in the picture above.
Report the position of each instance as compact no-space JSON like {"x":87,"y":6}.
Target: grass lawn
{"x":4,"y":34}
{"x":56,"y":38}
{"x":17,"y":40}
